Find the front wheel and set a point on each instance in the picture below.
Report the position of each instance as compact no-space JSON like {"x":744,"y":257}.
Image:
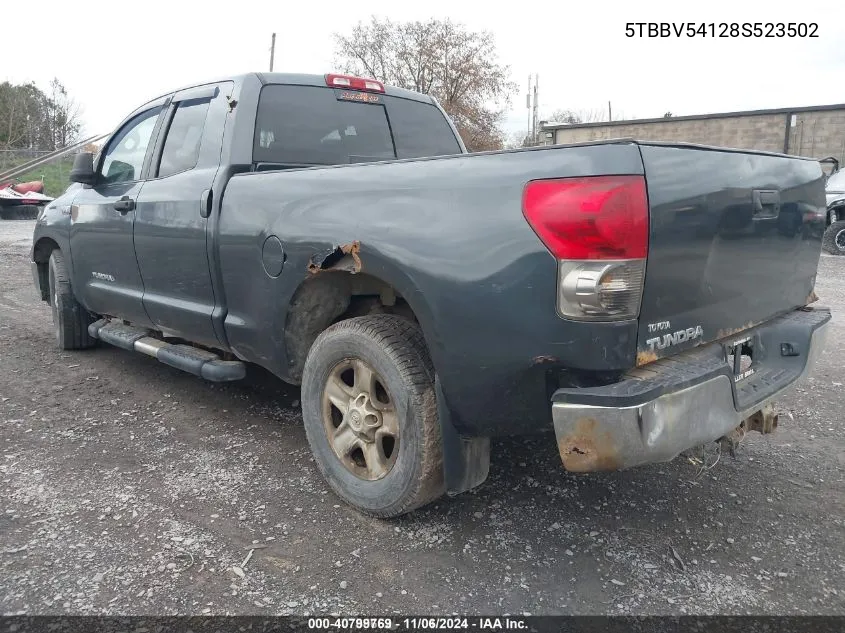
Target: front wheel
{"x":70,"y":318}
{"x":370,"y":414}
{"x":834,"y":238}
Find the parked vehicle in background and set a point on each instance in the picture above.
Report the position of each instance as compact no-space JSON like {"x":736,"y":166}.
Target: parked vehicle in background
{"x":20,"y":200}
{"x":834,"y":236}
{"x":637,"y":298}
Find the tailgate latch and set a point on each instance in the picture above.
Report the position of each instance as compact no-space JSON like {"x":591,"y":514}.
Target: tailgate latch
{"x":766,"y":204}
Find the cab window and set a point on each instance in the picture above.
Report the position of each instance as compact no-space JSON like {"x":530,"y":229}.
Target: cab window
{"x":124,"y":157}
{"x":184,"y":137}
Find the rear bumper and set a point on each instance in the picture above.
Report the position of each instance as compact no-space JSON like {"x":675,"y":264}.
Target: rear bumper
{"x":685,"y":400}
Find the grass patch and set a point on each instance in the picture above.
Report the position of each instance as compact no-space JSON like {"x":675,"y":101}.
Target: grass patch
{"x":56,"y":176}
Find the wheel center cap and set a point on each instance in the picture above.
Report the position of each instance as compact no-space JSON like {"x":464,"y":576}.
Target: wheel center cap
{"x":363,"y":418}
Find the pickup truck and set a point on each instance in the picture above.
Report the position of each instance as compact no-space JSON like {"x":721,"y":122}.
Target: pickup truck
{"x":639,"y":299}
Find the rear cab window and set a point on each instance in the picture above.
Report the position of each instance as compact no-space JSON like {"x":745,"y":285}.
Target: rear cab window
{"x":311,"y":125}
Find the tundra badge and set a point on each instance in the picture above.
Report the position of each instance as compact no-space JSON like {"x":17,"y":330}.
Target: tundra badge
{"x":681,"y":336}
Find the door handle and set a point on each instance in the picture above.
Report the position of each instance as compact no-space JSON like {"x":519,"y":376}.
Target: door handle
{"x":124,"y":205}
{"x":206,"y":202}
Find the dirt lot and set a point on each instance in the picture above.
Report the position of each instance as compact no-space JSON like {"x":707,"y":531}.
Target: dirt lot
{"x":127,"y":487}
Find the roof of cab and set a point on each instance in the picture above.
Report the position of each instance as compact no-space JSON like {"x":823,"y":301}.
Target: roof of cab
{"x":297,"y":79}
{"x":291,"y":79}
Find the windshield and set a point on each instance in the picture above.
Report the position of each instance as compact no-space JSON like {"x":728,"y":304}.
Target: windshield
{"x":308,"y":125}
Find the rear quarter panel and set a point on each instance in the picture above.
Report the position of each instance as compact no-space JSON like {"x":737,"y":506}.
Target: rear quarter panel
{"x":449,"y":235}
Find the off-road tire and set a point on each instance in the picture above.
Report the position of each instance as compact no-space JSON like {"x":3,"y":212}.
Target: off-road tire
{"x":70,"y":319}
{"x":394,"y":347}
{"x":833,"y":241}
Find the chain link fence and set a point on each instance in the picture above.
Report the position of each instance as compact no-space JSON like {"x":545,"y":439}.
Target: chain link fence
{"x":11,"y":157}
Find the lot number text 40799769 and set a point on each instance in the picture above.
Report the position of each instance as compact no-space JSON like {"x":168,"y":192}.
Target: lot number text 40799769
{"x":419,"y":623}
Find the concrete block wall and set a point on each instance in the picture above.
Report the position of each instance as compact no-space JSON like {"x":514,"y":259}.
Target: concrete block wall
{"x":817,"y":134}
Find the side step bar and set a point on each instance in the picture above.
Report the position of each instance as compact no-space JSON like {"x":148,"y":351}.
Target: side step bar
{"x":185,"y":357}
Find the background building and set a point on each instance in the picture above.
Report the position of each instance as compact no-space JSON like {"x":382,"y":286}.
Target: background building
{"x":815,"y":131}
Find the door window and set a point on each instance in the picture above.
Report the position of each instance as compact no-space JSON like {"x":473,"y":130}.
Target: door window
{"x":125,"y":154}
{"x":184,"y":137}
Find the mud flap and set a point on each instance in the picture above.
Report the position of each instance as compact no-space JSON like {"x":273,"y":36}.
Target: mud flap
{"x":466,"y":460}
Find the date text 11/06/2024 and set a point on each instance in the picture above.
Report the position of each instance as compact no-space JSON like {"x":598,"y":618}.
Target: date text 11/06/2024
{"x":419,"y":623}
{"x":722,"y":29}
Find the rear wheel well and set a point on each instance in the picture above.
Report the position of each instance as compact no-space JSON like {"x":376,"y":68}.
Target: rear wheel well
{"x":41,"y":255}
{"x":332,"y":296}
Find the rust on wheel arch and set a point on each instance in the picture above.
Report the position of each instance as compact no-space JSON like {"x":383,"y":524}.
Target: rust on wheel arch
{"x":346,"y":257}
{"x":586,"y":449}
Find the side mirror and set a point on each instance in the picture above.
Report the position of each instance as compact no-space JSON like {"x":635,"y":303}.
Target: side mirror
{"x":83,"y":169}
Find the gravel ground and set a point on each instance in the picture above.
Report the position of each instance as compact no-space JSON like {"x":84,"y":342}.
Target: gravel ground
{"x":127,"y":487}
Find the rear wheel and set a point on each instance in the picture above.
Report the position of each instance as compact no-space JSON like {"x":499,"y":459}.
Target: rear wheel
{"x":834,"y":238}
{"x":370,"y":414}
{"x":70,"y":318}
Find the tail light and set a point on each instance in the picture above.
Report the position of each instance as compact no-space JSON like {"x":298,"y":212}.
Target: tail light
{"x":354,"y":83}
{"x":597,"y":228}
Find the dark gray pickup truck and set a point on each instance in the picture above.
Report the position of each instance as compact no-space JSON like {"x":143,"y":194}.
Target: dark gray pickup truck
{"x":637,"y":298}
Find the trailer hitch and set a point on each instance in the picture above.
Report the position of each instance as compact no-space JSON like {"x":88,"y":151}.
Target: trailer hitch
{"x":763,"y":421}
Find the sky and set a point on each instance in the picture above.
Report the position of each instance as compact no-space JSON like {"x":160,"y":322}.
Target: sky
{"x":112,"y":61}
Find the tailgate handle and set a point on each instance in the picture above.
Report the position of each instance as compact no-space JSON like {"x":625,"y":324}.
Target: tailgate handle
{"x":766,"y":204}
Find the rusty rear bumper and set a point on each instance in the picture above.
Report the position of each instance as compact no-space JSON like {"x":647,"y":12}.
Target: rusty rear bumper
{"x":683,"y":401}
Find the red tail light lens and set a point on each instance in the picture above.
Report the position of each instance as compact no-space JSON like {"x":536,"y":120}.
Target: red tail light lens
{"x":597,"y":228}
{"x":592,"y":218}
{"x":354,"y":83}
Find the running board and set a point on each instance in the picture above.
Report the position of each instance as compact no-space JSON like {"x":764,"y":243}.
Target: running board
{"x":191,"y":359}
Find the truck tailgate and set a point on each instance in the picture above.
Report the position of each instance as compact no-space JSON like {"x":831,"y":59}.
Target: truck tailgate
{"x":734,"y":240}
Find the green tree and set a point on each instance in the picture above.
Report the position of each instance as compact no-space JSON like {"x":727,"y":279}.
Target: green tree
{"x":32,"y":119}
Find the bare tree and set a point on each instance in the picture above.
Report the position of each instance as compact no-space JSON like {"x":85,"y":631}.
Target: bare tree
{"x":573,"y":117}
{"x":63,"y":116}
{"x":437,"y":57}
{"x":516,"y":140}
